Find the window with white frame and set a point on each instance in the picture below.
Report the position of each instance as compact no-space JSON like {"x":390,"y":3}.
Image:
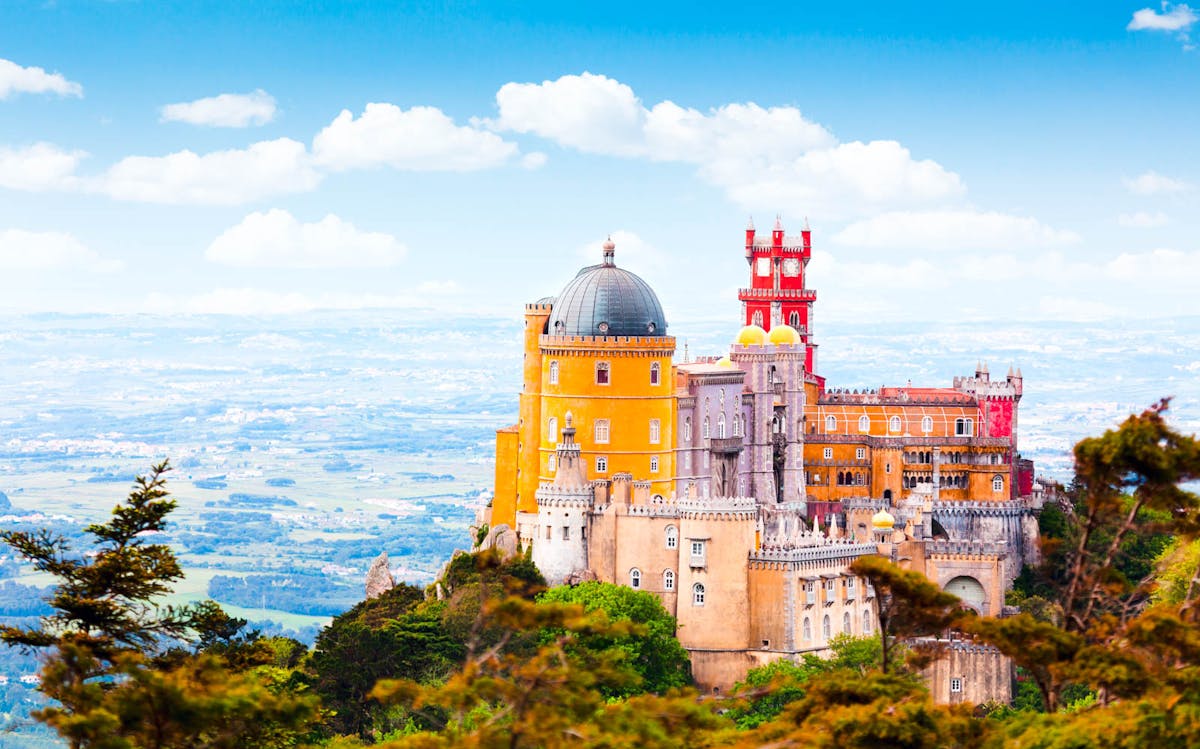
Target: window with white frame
{"x":830,"y":423}
{"x":807,"y":629}
{"x":601,"y":464}
{"x":698,"y":555}
{"x":698,"y":594}
{"x":810,"y":593}
{"x":552,"y":463}
{"x":669,"y":580}
{"x":704,"y":434}
{"x":860,"y":453}
{"x":600,"y":431}
{"x":553,"y":373}
{"x":956,"y":684}
{"x":864,"y":423}
{"x":655,"y":431}
{"x":866,"y":629}
{"x":851,"y":586}
{"x":635,"y":578}
{"x":997,"y":483}
{"x":894,"y":424}
{"x":926,"y":424}
{"x":964,"y":427}
{"x":826,"y":628}
{"x":721,"y":425}
{"x":552,"y":429}
{"x":655,"y":373}
{"x":846,"y":622}
{"x":687,"y":430}
{"x":828,"y":453}
{"x":653,"y":464}
{"x":672,"y":537}
{"x":602,"y":373}
{"x":757,"y":319}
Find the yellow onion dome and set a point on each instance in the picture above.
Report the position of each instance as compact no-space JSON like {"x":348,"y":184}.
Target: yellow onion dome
{"x":784,"y":334}
{"x":751,"y":335}
{"x":883,"y":521}
{"x":725,"y":362}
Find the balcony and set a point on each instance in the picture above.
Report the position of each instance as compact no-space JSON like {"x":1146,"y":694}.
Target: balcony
{"x":725,"y":445}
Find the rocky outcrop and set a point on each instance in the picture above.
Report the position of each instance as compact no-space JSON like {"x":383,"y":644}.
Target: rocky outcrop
{"x":379,"y":577}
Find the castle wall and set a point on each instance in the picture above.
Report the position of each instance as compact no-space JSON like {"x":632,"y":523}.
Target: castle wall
{"x":982,"y":672}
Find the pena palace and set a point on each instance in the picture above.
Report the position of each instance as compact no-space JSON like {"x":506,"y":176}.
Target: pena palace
{"x":738,"y":488}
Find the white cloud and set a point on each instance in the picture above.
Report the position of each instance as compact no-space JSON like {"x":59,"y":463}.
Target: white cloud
{"x":224,"y":110}
{"x":275,"y":239}
{"x":418,"y":139}
{"x":1172,"y":18}
{"x":57,"y":251}
{"x":42,"y":166}
{"x":1153,"y":183}
{"x":15,"y":79}
{"x":957,"y":230}
{"x":764,"y":158}
{"x":252,"y":301}
{"x":1143,"y":219}
{"x":1161,"y":268}
{"x":1075,"y":309}
{"x":228,"y":177}
{"x":535,"y":160}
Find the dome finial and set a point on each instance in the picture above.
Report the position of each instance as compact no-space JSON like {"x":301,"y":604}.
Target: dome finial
{"x":609,"y":245}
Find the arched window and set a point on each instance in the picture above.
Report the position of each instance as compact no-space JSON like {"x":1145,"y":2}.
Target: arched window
{"x":601,"y":464}
{"x":672,"y":537}
{"x":687,"y":429}
{"x":826,"y":629}
{"x":553,"y":373}
{"x":602,"y":373}
{"x":668,"y":580}
{"x":655,"y":431}
{"x":756,"y":319}
{"x":552,"y":429}
{"x":864,"y":423}
{"x":704,"y":434}
{"x":894,"y":424}
{"x":964,"y":427}
{"x":997,"y":483}
{"x":794,"y":319}
{"x":653,"y":464}
{"x":721,"y":425}
{"x":552,"y":463}
{"x":927,"y":424}
{"x":846,"y":622}
{"x":807,"y":629}
{"x":655,"y":373}
{"x":635,"y":578}
{"x":866,"y":623}
{"x":830,"y":423}
{"x":698,"y":594}
{"x":601,"y":431}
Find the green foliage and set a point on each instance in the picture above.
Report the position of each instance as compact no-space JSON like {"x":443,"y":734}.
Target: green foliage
{"x":656,"y":656}
{"x":768,"y":689}
{"x":112,"y":683}
{"x":106,"y":601}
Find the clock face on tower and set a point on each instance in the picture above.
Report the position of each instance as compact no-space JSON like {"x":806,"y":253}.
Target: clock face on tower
{"x":791,"y":267}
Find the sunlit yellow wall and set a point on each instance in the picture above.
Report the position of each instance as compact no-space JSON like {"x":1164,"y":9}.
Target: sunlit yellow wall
{"x":529,"y":427}
{"x":629,"y":401}
{"x":504,"y":500}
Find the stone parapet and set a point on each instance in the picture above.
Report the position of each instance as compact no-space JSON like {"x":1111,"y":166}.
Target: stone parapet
{"x":966,"y":548}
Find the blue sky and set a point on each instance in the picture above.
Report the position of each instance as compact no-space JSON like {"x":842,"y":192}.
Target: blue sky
{"x":954,"y":161}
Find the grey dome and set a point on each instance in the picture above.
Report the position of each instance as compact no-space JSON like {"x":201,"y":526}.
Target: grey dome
{"x":604,"y":300}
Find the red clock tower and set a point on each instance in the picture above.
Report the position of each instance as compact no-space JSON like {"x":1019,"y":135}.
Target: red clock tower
{"x":777,"y":295}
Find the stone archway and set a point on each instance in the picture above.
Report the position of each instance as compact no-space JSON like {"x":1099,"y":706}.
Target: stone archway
{"x":970,"y":591}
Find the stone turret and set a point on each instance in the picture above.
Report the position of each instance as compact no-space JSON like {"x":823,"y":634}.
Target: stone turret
{"x":560,"y":536}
